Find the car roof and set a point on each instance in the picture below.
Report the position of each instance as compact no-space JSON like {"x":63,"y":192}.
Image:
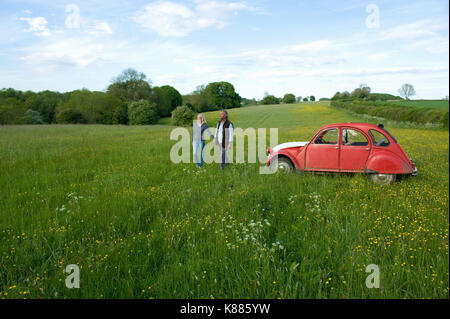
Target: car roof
{"x":360,"y":125}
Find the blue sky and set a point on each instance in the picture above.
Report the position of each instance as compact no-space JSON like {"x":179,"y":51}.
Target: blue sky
{"x":301,"y":47}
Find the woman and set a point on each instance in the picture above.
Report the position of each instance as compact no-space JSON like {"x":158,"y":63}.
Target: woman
{"x":198,"y":141}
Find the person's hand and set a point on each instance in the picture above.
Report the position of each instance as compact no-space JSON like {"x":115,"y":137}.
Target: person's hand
{"x":215,"y":140}
{"x":230,"y":146}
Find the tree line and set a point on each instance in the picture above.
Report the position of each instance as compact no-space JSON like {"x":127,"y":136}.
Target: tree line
{"x":363,"y":93}
{"x":288,"y":98}
{"x":362,"y":101}
{"x":129,"y":99}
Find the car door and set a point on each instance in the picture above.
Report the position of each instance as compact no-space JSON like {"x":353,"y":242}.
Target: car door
{"x":323,"y":152}
{"x":355,"y":149}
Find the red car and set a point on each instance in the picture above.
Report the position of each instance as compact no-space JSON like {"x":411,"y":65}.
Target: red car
{"x":346,"y":147}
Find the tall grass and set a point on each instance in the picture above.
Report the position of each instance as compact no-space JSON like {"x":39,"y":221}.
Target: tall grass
{"x":109,"y":199}
{"x":397,"y":112}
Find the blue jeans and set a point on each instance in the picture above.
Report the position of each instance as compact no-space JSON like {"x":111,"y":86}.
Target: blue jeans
{"x":197,"y":145}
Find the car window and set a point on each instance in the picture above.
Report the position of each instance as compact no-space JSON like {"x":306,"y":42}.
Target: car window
{"x":328,"y":137}
{"x":353,"y":138}
{"x":379,"y":139}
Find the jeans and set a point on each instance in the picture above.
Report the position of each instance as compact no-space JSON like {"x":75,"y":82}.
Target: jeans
{"x":198,"y":145}
{"x":223,"y":156}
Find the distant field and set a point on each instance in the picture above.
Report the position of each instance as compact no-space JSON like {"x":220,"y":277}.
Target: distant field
{"x":139,"y":226}
{"x":437,"y":104}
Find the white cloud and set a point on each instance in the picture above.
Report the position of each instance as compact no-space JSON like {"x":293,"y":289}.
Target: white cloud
{"x":313,"y":47}
{"x":100,"y":27}
{"x":66,"y":47}
{"x":377,"y":57}
{"x":422,"y":34}
{"x":414,"y":30}
{"x":375,"y":71}
{"x":175,"y":20}
{"x":75,"y":51}
{"x":315,"y":53}
{"x":433,"y":45}
{"x":75,"y":21}
{"x":38,"y":26}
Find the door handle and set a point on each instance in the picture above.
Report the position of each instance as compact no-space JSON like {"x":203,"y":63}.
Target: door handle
{"x":367,"y":149}
{"x":337,"y":147}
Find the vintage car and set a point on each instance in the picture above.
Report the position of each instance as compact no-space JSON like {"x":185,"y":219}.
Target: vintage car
{"x":346,"y":147}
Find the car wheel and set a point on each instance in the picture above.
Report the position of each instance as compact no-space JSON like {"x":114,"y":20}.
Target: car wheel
{"x":382,"y":179}
{"x":283,"y":165}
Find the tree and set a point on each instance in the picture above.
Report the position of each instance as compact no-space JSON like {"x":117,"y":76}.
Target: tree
{"x":289,"y":98}
{"x":142,"y":113}
{"x":96,"y":107}
{"x":406,"y":91}
{"x":45,"y":103}
{"x":270,"y":99}
{"x":120,"y":115}
{"x":221,"y":95}
{"x":70,"y":116}
{"x":298,"y":99}
{"x":197,"y":100}
{"x":305,"y":99}
{"x":363,"y":92}
{"x":131,"y":86}
{"x":246,"y":102}
{"x":166,"y":99}
{"x":12,"y":111}
{"x":182,"y":116}
{"x":32,"y":117}
{"x":312,"y":98}
{"x":336,"y":96}
{"x":11,"y":93}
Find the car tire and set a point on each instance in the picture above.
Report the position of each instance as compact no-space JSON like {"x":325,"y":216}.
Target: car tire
{"x":383,"y":179}
{"x":283,"y":165}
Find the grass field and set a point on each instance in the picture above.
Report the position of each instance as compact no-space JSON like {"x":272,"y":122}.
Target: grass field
{"x":436,"y":104}
{"x":109,"y":199}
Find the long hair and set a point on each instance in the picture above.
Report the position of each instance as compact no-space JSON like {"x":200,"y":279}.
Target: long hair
{"x":202,"y":118}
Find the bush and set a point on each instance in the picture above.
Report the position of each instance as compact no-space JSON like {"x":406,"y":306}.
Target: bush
{"x":289,"y":98}
{"x":396,"y":112}
{"x":120,"y":115}
{"x":270,"y":99}
{"x":33,"y":117}
{"x":444,"y":119}
{"x":69,"y":116}
{"x":182,"y":116}
{"x":142,"y":113}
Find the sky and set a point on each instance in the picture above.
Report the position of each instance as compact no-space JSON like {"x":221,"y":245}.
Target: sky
{"x":260,"y":46}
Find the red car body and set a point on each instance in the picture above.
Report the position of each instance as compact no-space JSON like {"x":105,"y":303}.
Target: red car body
{"x":351,"y":147}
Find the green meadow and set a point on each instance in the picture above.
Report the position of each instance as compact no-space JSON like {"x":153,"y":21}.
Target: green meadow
{"x":108,"y":199}
{"x":435,"y":104}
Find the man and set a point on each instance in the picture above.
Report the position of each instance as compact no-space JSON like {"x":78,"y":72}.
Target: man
{"x":224,"y":137}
